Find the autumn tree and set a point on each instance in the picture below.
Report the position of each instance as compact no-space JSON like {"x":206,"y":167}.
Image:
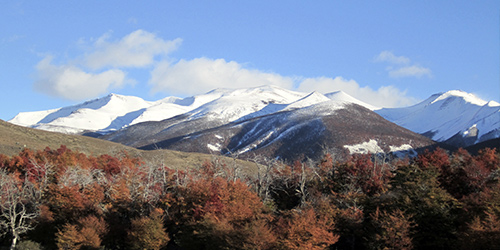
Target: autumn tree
{"x":147,"y":232}
{"x":86,"y":233}
{"x":289,"y":187}
{"x":220,"y":214}
{"x":304,"y":229}
{"x":416,"y":191}
{"x":393,"y":230}
{"x":482,"y":233}
{"x":360,"y":173}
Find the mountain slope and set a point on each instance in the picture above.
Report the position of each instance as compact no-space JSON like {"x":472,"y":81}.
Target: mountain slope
{"x":289,"y":134}
{"x":14,"y":138}
{"x":456,"y":117}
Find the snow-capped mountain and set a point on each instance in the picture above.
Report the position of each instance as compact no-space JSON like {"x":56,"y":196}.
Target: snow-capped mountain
{"x":455,"y":117}
{"x":274,"y":121}
{"x":338,"y":127}
{"x":114,"y":112}
{"x":107,"y":113}
{"x":267,"y":119}
{"x":277,"y":123}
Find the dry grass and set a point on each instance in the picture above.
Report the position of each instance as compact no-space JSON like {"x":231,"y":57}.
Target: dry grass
{"x":14,"y":138}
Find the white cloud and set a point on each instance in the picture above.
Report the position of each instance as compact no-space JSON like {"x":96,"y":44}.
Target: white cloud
{"x":72,"y":83}
{"x":414,"y":70}
{"x":401,"y":67}
{"x":385,"y":96}
{"x":202,"y":74}
{"x":388,"y":56}
{"x":137,"y":49}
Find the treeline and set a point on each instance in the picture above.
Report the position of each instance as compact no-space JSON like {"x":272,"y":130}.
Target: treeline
{"x":60,"y":199}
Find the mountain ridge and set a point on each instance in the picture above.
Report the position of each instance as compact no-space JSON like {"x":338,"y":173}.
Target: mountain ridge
{"x":456,"y":117}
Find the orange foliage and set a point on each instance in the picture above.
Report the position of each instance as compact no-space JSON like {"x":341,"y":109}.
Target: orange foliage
{"x":148,"y":232}
{"x":482,"y":233}
{"x":87,"y":233}
{"x":221,"y":198}
{"x":65,"y":202}
{"x":305,"y":230}
{"x":393,"y":230}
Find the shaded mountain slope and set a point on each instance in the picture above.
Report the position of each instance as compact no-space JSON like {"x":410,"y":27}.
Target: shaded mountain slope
{"x":289,"y":135}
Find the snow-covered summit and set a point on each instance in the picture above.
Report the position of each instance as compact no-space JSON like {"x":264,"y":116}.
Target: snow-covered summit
{"x":459,"y":94}
{"x":91,"y":115}
{"x":308,"y":100}
{"x":341,"y":96}
{"x":113,"y":112}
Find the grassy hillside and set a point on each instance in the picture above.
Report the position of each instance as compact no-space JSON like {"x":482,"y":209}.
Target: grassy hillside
{"x":14,"y":138}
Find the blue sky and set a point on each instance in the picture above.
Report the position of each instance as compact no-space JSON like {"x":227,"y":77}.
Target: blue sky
{"x":386,"y":53}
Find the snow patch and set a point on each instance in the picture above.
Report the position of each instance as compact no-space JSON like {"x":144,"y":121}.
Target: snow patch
{"x":370,"y":147}
{"x":403,"y":151}
{"x":257,"y":143}
{"x":471,"y":132}
{"x":215,"y":147}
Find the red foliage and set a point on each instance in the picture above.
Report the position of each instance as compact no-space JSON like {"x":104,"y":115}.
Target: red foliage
{"x":490,"y":158}
{"x":110,"y":165}
{"x":361,"y":172}
{"x":437,"y":159}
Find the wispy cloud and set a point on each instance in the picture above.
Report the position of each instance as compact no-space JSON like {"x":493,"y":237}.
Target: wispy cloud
{"x":410,"y":71}
{"x":401,"y":66}
{"x":137,"y":49}
{"x":133,"y":20}
{"x":388,"y":56}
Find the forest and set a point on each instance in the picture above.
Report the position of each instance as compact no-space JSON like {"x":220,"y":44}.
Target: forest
{"x":62,"y":199}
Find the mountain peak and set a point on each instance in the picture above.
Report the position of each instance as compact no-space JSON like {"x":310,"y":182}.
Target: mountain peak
{"x":493,"y":104}
{"x":114,"y":95}
{"x":468,"y":97}
{"x":342,"y":96}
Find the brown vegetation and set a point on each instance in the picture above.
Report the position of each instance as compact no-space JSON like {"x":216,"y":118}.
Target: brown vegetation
{"x":71,"y":200}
